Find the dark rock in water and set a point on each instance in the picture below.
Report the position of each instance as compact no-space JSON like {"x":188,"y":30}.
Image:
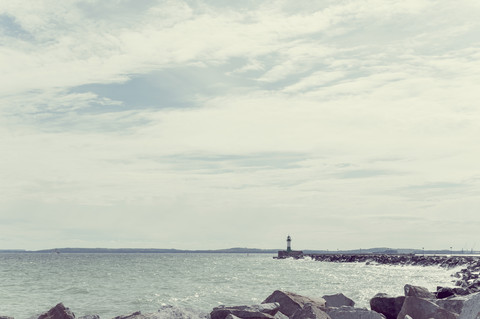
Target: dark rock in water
{"x":387,"y":305}
{"x":444,"y":292}
{"x":338,"y":300}
{"x":461,"y":291}
{"x":134,"y":315}
{"x":417,"y":291}
{"x":346,"y":312}
{"x":310,"y":311}
{"x":291,"y":302}
{"x":58,"y":312}
{"x":475,"y":285}
{"x":420,"y":308}
{"x":263,"y":311}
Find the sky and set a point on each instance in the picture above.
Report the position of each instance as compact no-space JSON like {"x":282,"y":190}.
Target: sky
{"x":216,"y":124}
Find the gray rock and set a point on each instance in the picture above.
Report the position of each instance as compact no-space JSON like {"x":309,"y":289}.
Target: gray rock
{"x":338,"y":300}
{"x":346,"y":312}
{"x":263,"y":311}
{"x":291,"y":302}
{"x":387,"y":305}
{"x":461,"y":291}
{"x":471,"y":307}
{"x":420,"y":308}
{"x":89,"y":317}
{"x":310,"y":311}
{"x":452,"y":304}
{"x":5,"y":317}
{"x":444,"y":292}
{"x":417,"y":291}
{"x":135,"y":315}
{"x":58,"y":312}
{"x":280,"y":315}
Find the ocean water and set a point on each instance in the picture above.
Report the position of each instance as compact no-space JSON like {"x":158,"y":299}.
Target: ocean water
{"x":116,"y":284}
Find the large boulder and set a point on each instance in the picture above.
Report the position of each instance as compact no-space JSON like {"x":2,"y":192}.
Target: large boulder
{"x":263,"y":311}
{"x":419,"y":308}
{"x":387,"y":305}
{"x":291,"y":302}
{"x":471,"y":307}
{"x":58,"y":312}
{"x":310,"y":311}
{"x":452,"y":304}
{"x":346,"y":312}
{"x":338,"y":300}
{"x":417,"y":291}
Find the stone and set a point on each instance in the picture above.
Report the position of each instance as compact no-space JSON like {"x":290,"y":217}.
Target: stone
{"x":135,"y":315}
{"x":291,"y":302}
{"x":5,"y":317}
{"x":310,"y":311}
{"x":444,"y":292}
{"x":338,"y":300}
{"x":89,"y":317}
{"x":453,"y":304}
{"x":280,"y":315}
{"x":417,"y":291}
{"x":420,"y":308}
{"x":387,"y":305}
{"x":58,"y":312}
{"x":267,"y":310}
{"x":346,"y":312}
{"x":461,"y":291}
{"x":471,"y":307}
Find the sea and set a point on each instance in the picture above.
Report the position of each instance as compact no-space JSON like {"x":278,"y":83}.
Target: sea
{"x":114,"y":284}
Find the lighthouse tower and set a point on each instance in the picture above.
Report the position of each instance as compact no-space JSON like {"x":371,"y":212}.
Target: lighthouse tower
{"x":289,"y":244}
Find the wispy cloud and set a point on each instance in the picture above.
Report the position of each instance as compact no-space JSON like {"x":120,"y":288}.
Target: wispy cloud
{"x":246,"y":113}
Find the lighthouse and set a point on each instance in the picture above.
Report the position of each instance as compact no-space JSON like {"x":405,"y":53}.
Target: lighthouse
{"x":282,"y":254}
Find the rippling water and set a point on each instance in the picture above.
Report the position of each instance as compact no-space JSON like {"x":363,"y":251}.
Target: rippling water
{"x":114,"y":284}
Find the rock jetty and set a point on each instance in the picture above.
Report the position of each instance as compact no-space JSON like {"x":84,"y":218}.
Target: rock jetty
{"x":416,"y":303}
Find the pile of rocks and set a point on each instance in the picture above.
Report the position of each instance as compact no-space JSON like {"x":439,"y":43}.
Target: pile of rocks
{"x":468,"y":278}
{"x":417,"y":303}
{"x":412,"y":260}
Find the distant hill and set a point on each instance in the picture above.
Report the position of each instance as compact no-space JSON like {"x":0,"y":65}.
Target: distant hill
{"x":155,"y":251}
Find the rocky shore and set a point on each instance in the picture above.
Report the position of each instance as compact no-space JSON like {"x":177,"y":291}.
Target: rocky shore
{"x":460,"y":301}
{"x":416,"y":303}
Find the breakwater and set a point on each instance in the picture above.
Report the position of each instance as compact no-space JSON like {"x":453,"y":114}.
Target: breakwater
{"x":387,"y":259}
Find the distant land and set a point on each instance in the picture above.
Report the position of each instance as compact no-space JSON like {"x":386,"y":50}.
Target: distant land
{"x":237,"y":250}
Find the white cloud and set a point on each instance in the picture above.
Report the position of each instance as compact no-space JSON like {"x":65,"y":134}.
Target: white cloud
{"x":289,"y":111}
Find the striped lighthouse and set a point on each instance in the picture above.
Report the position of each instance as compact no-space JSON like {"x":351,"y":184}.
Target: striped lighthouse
{"x":289,"y":243}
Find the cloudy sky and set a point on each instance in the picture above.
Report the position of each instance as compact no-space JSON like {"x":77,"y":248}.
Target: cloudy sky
{"x":215,"y":124}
